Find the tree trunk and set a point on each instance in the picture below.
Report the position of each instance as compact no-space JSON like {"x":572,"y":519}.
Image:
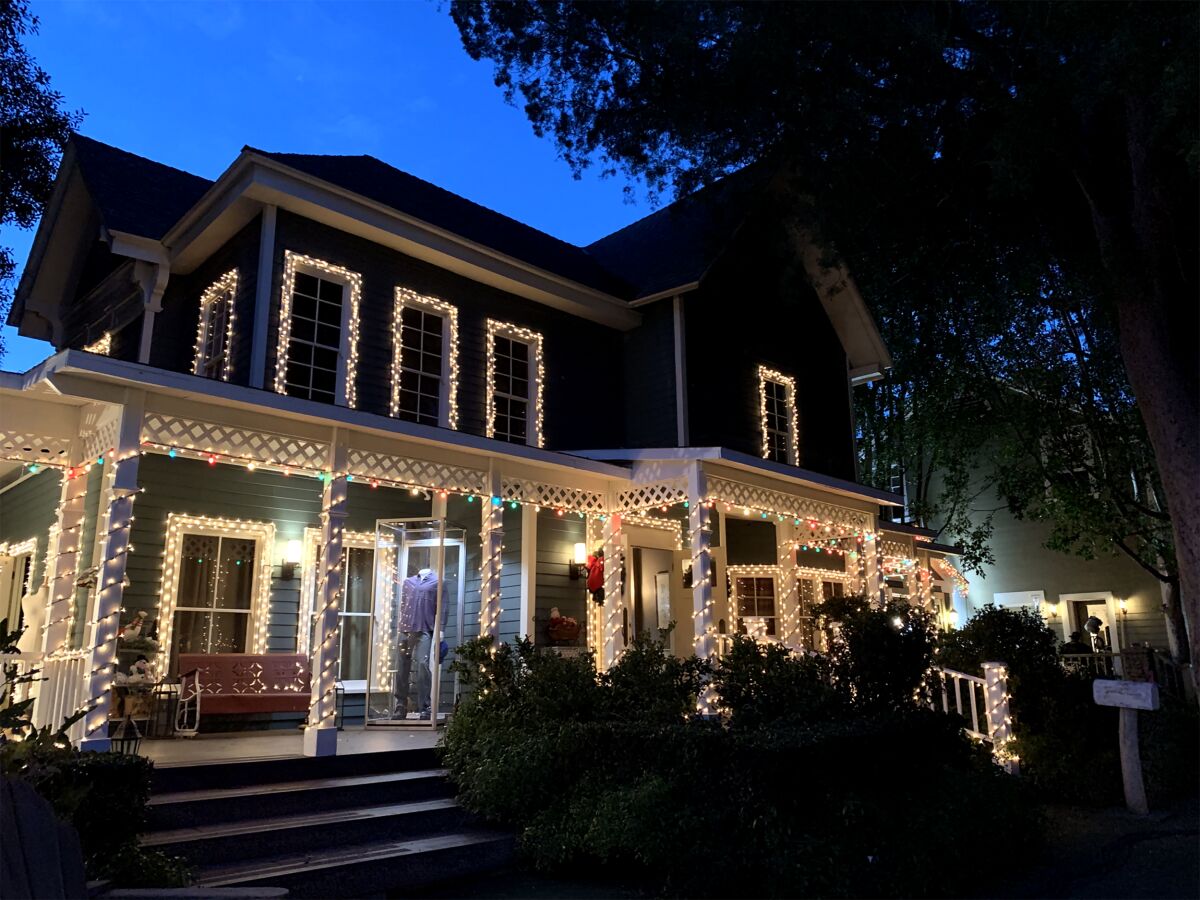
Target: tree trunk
{"x":1177,"y":636}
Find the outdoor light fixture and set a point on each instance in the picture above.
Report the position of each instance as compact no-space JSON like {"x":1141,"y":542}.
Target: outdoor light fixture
{"x":1052,"y":609}
{"x":292,"y":554}
{"x":579,"y":562}
{"x":1121,"y":605}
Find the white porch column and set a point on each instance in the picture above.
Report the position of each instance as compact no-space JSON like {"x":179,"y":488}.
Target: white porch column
{"x":262,"y":298}
{"x":491,"y":542}
{"x":110,"y":575}
{"x":529,"y":542}
{"x":594,"y":532}
{"x":614,"y":600}
{"x":788,"y":612}
{"x":702,"y":600}
{"x":64,"y":560}
{"x":320,"y":731}
{"x":873,"y":568}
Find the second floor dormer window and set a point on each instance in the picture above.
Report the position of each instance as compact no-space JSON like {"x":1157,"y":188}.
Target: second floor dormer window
{"x":424,"y":360}
{"x":777,"y":414}
{"x":214,"y":331}
{"x":514,"y":383}
{"x":317,"y":354}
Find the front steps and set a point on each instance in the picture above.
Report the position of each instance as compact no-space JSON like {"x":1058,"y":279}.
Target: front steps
{"x":341,"y":826}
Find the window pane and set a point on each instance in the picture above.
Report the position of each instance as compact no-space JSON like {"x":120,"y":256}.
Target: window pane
{"x":210,"y":632}
{"x":197,"y":571}
{"x":359,"y":572}
{"x":355,"y":631}
{"x":235,"y":580}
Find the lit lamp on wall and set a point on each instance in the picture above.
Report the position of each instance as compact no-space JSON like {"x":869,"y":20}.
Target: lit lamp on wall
{"x":1052,"y":610}
{"x":578,"y":562}
{"x":1121,"y":605}
{"x":292,"y":553}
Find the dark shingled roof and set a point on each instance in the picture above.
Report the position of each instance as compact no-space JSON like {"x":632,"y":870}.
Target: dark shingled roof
{"x":677,"y":244}
{"x":135,"y":194}
{"x":376,"y":180}
{"x":668,"y":249}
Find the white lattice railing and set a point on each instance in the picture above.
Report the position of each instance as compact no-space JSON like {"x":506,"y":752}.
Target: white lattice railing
{"x":649,"y":496}
{"x":737,"y":494}
{"x":420,"y":472}
{"x":61,"y":692}
{"x":234,"y":443}
{"x":552,"y":496}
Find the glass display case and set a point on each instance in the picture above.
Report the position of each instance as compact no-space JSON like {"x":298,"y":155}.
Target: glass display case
{"x":416,"y":622}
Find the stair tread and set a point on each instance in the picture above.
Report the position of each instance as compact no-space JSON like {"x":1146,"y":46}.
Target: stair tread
{"x":299,"y":820}
{"x":267,"y":868}
{"x":281,"y":787}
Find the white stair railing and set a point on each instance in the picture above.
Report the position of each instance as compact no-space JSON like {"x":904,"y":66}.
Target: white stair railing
{"x":988,"y":694}
{"x":61,"y":692}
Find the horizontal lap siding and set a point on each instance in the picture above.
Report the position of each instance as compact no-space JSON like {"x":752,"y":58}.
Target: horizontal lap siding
{"x":27,"y":510}
{"x":556,"y":539}
{"x":88,"y":550}
{"x":191,"y":487}
{"x":753,"y":309}
{"x":461,"y":514}
{"x":649,"y":374}
{"x":511,"y":625}
{"x":580,"y":356}
{"x":175,"y":327}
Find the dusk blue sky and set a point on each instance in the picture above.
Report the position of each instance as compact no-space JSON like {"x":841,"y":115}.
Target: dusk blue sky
{"x":190,"y":83}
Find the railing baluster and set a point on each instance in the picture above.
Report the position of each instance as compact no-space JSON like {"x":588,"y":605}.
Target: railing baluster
{"x":974,"y":711}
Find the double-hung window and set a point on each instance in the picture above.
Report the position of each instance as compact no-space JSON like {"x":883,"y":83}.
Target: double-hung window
{"x":514,"y":385}
{"x":424,"y":360}
{"x":216,"y":586}
{"x":318,"y":331}
{"x":754,"y":596}
{"x":777,"y":415}
{"x":214,"y":332}
{"x":354,"y":610}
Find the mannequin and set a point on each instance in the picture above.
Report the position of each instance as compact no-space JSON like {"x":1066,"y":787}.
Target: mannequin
{"x":33,"y":612}
{"x":416,"y":627}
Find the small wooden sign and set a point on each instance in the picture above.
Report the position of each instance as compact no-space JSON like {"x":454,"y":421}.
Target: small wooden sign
{"x":1125,"y":694}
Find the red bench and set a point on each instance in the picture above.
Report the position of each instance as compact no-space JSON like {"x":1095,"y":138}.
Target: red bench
{"x":246,"y":682}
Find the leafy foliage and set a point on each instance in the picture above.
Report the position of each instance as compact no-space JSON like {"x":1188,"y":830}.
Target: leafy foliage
{"x":616,"y":772}
{"x":34,"y":128}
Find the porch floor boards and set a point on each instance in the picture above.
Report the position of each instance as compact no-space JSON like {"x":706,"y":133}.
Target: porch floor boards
{"x":219,"y":748}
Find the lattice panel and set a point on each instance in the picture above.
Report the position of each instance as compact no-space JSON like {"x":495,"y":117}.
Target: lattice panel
{"x":423,"y":472}
{"x":554,"y":496}
{"x":894,"y":550}
{"x":648,"y":496}
{"x":35,"y":448}
{"x":736,"y":493}
{"x":240,"y":443}
{"x":103,"y":437}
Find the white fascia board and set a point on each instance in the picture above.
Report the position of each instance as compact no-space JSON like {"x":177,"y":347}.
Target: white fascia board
{"x":266,"y":181}
{"x":68,"y":365}
{"x":746,"y":462}
{"x":122,"y":243}
{"x":663,"y":295}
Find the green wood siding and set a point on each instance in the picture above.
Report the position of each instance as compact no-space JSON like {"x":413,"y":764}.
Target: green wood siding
{"x":556,"y":539}
{"x":27,"y":510}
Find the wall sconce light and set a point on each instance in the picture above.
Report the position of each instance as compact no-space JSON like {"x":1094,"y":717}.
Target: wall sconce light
{"x":1052,"y":610}
{"x":1121,"y":606}
{"x":578,"y":563}
{"x":292,"y":553}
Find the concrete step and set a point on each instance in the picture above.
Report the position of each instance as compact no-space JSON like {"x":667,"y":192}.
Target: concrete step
{"x":217,"y":806}
{"x":369,"y":869}
{"x":310,"y":832}
{"x":179,"y":777}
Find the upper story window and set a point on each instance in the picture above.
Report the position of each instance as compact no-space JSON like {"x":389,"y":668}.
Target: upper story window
{"x":777,"y":412}
{"x":424,"y":360}
{"x":514,"y":383}
{"x":214,"y":332}
{"x":317,"y":356}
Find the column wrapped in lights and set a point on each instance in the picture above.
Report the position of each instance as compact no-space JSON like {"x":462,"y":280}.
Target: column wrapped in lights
{"x":614,"y":594}
{"x":292,"y":263}
{"x":999,"y":718}
{"x":63,"y":571}
{"x":873,"y":569}
{"x":533,"y":340}
{"x":789,"y":584}
{"x":492,"y":546}
{"x":110,"y":578}
{"x":320,"y":731}
{"x":449,"y":313}
{"x":223,"y":290}
{"x":699,"y":532}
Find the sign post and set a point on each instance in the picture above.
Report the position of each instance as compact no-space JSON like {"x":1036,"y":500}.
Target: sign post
{"x":1129,"y":697}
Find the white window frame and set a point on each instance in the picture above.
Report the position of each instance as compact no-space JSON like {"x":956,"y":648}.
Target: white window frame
{"x":360,"y":540}
{"x":448,"y":393}
{"x":765,"y":375}
{"x":224,"y":288}
{"x":735,"y":618}
{"x":11,"y":557}
{"x":534,"y":403}
{"x":262,"y":533}
{"x":346,"y":390}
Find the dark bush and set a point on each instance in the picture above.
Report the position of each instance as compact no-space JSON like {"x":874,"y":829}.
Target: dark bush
{"x":615,"y":773}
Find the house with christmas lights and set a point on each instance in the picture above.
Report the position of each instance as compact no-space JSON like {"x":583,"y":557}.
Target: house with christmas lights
{"x":311,"y":425}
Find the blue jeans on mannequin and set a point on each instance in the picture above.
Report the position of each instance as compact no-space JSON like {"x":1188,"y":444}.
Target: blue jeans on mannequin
{"x":414,"y":671}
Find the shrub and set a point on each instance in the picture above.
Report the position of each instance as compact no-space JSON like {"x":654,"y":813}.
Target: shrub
{"x":616,"y":773}
{"x":879,"y":658}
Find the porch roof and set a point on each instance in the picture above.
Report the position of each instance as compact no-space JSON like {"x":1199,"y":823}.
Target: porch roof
{"x":747,"y":463}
